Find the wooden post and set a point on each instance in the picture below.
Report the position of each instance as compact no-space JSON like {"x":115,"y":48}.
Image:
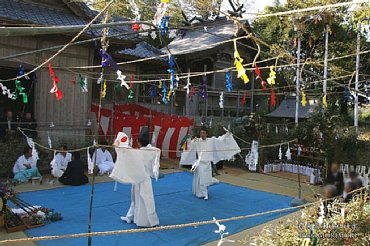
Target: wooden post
{"x":357,"y":76}
{"x":298,"y":73}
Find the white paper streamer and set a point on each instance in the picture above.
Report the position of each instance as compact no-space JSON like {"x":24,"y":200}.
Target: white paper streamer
{"x":221,"y":103}
{"x":122,"y":78}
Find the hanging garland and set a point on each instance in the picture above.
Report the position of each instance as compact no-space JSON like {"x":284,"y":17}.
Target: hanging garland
{"x":164,"y":98}
{"x":82,"y":82}
{"x":229,"y":84}
{"x":303,"y":100}
{"x":239,"y":66}
{"x":20,"y":90}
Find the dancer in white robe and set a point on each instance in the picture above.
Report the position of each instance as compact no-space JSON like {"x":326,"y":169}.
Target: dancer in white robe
{"x":138,"y":166}
{"x":60,"y":162}
{"x":208,"y":150}
{"x":104,"y":160}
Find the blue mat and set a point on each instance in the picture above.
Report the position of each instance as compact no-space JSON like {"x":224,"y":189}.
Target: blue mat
{"x":175,"y":205}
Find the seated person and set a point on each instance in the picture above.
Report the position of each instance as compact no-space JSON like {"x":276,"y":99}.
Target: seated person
{"x":330,"y":192}
{"x":104,"y":160}
{"x":354,"y":176}
{"x":60,"y":162}
{"x":25,"y":167}
{"x":335,"y":177}
{"x":74,"y":174}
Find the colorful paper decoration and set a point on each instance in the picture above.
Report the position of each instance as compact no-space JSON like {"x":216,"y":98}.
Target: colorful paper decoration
{"x":324,"y":101}
{"x":108,"y":60}
{"x":100,"y":79}
{"x":153,"y":91}
{"x":20,"y":90}
{"x":229,"y":84}
{"x":244,"y":99}
{"x":239,"y":66}
{"x":56,"y":80}
{"x":204,"y":93}
{"x":165,"y":1}
{"x":131,"y":95}
{"x":171,"y":70}
{"x":163,"y":27}
{"x":122,"y":78}
{"x":263,"y":84}
{"x":104,"y":92}
{"x":160,"y":84}
{"x":221,"y":103}
{"x":273,"y":99}
{"x":82,"y":82}
{"x":153,"y":35}
{"x":164,"y":98}
{"x":288,"y":154}
{"x":21,"y":71}
{"x":280,"y":153}
{"x":272,"y":77}
{"x":303,"y":101}
{"x":188,"y":84}
{"x":170,"y":93}
{"x":172,"y":34}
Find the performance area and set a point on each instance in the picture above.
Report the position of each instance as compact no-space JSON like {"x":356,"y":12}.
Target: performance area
{"x":174,"y":204}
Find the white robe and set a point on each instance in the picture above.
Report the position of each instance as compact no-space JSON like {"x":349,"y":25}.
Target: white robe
{"x":209,"y":150}
{"x":59,"y":164}
{"x":137,"y":166}
{"x":104,"y":161}
{"x":21,"y":161}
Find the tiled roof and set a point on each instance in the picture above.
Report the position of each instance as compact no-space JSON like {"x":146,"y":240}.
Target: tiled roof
{"x":204,"y":38}
{"x":143,"y":50}
{"x":286,"y":109}
{"x":39,"y":14}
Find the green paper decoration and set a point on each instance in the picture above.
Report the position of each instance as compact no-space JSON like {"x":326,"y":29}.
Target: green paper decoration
{"x":19,"y":90}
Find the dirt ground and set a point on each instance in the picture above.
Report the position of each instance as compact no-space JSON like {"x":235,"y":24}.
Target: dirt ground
{"x":278,"y":183}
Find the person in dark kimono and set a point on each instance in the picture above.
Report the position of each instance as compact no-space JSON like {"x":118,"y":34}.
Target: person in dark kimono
{"x":74,"y":174}
{"x":335,"y":177}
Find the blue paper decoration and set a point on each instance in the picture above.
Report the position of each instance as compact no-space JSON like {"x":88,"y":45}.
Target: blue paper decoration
{"x":229,"y":85}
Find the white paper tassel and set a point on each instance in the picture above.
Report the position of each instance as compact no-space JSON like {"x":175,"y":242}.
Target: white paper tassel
{"x":90,"y":163}
{"x":288,"y":154}
{"x":280,"y":153}
{"x":49,"y":141}
{"x":276,"y":130}
{"x":221,"y":103}
{"x":122,"y":78}
{"x":187,"y":87}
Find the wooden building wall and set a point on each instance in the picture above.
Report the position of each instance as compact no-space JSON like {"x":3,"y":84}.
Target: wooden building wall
{"x":70,"y":114}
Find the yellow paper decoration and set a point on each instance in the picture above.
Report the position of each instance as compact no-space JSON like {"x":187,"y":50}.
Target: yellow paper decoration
{"x":303,"y":101}
{"x":271,"y":79}
{"x":239,"y":66}
{"x":160,"y":84}
{"x":306,"y":242}
{"x":165,"y":1}
{"x":104,"y":92}
{"x":169,"y":93}
{"x":324,"y":102}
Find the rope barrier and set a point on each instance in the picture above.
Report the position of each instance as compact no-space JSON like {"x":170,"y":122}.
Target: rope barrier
{"x":168,"y":227}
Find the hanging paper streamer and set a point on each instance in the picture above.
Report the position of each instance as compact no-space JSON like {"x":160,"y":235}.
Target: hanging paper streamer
{"x":324,"y":101}
{"x":172,"y":71}
{"x":153,"y":35}
{"x":164,"y":98}
{"x":160,"y":84}
{"x":204,"y":93}
{"x":49,"y":141}
{"x":153,"y":91}
{"x":172,"y":34}
{"x":163,"y":27}
{"x":100,"y":79}
{"x":239,"y":66}
{"x":55,"y":88}
{"x":229,"y":84}
{"x":244,"y":99}
{"x":130,"y":95}
{"x":82,"y":82}
{"x":221,"y":103}
{"x":21,"y":71}
{"x":165,"y":1}
{"x":20,"y":90}
{"x":288,"y":154}
{"x":136,"y":12}
{"x":273,"y":98}
{"x":169,"y":93}
{"x":276,"y":130}
{"x":104,"y":92}
{"x":73,"y":80}
{"x":108,"y":60}
{"x":161,"y":10}
{"x":280,"y":153}
{"x":188,"y":84}
{"x":122,"y":78}
{"x":263,"y":84}
{"x":6,"y":91}
{"x":272,"y":77}
{"x":304,"y":100}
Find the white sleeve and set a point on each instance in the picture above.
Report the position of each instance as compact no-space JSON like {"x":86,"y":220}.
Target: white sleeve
{"x":109,"y":156}
{"x":188,"y":157}
{"x":18,"y":163}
